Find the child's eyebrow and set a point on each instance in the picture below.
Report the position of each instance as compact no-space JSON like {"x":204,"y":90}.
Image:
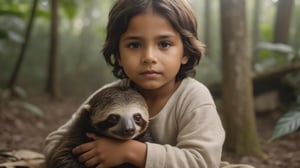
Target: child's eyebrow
{"x":132,"y":38}
{"x":163,"y":36}
{"x":166,"y":36}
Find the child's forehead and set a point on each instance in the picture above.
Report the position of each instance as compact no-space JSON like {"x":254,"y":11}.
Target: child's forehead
{"x":148,"y":18}
{"x":151,"y":22}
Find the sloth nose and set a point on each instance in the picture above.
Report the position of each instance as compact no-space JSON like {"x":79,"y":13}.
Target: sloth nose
{"x":127,"y":127}
{"x":129,"y":131}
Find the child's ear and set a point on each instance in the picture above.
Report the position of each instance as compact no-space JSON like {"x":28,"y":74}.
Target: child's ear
{"x":184,"y":59}
{"x":119,"y":60}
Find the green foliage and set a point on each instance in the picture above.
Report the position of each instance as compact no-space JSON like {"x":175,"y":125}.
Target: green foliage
{"x":21,"y":9}
{"x":3,"y":34}
{"x":42,"y":12}
{"x":270,"y":55}
{"x":13,"y":19}
{"x":69,"y":7}
{"x":289,"y":123}
{"x":266,"y":32}
{"x":13,"y":30}
{"x":81,"y":35}
{"x":14,"y":8}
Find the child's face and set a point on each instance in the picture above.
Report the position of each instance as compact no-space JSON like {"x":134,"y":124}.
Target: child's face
{"x":151,"y":51}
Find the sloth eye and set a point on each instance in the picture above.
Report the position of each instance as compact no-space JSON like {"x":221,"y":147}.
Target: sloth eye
{"x":113,"y":119}
{"x":137,"y":118}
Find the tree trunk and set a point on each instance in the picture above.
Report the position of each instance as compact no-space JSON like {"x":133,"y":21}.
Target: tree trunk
{"x":15,"y":74}
{"x":283,"y":20}
{"x":255,"y":30}
{"x":237,"y":97}
{"x":207,"y":25}
{"x":296,"y":34}
{"x":53,"y":82}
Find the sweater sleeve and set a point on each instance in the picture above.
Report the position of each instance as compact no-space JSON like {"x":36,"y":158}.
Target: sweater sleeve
{"x":188,"y":130}
{"x":199,"y":142}
{"x":197,"y":138}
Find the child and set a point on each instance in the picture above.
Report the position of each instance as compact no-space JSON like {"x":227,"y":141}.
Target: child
{"x":152,"y":46}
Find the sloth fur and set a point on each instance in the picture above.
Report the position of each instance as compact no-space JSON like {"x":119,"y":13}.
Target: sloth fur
{"x":115,"y":112}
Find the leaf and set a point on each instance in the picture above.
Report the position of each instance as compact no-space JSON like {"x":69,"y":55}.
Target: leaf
{"x":284,"y":48}
{"x":21,"y":158}
{"x":16,"y":91}
{"x":22,"y":154}
{"x":31,"y":108}
{"x":18,"y":9}
{"x":43,"y":14}
{"x":20,"y":92}
{"x":289,"y":123}
{"x":15,"y":37}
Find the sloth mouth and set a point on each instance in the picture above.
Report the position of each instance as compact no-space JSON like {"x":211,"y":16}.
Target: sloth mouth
{"x":124,"y":136}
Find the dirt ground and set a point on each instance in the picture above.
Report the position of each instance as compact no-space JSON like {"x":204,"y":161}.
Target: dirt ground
{"x":21,"y":129}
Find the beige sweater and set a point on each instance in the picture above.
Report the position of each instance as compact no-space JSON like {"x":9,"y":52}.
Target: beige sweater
{"x":188,"y":131}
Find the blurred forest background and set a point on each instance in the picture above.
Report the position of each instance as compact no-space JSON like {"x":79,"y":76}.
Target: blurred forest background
{"x":53,"y":49}
{"x":81,"y":31}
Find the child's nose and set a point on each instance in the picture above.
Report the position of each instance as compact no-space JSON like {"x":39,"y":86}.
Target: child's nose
{"x":149,"y":56}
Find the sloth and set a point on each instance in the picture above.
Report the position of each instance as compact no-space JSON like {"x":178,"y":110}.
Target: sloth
{"x":115,"y":112}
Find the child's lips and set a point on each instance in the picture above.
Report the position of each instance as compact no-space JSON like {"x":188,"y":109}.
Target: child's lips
{"x":150,"y":73}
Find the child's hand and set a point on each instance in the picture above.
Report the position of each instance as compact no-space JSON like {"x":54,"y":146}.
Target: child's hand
{"x":102,"y":152}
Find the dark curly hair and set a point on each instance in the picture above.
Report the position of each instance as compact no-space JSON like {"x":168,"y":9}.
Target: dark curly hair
{"x":178,"y":12}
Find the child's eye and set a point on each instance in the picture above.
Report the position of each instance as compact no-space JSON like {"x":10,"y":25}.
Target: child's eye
{"x":133,"y":45}
{"x":164,"y":45}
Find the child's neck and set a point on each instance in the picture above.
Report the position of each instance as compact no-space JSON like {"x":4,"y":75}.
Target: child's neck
{"x":156,"y":99}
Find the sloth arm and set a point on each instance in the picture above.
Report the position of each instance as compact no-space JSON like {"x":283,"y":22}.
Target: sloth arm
{"x":53,"y":138}
{"x":133,"y":151}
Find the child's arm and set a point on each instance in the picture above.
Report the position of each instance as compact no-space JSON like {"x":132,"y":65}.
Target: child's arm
{"x":196,"y":142}
{"x":189,"y":130}
{"x":110,"y":153}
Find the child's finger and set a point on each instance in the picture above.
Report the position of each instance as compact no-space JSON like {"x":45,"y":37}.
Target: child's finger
{"x":92,"y":136}
{"x":99,"y":166}
{"x":87,"y":157}
{"x":92,"y":162}
{"x":82,"y":148}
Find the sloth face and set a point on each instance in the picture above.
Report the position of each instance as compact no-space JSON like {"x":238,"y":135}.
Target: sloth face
{"x":118,"y":112}
{"x":122,"y":123}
